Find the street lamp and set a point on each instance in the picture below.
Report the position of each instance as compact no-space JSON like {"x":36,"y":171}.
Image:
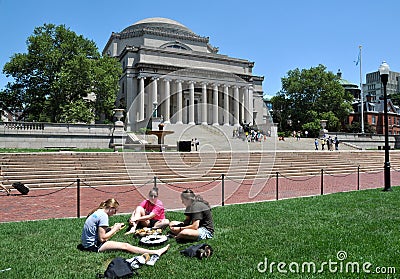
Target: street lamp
{"x":384,"y":72}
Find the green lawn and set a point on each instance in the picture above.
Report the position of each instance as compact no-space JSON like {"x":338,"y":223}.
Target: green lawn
{"x":296,"y":232}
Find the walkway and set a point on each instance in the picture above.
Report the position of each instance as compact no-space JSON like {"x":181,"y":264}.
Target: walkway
{"x":50,"y":203}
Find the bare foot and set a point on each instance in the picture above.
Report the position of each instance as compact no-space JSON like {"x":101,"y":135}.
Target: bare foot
{"x":131,"y":231}
{"x":162,"y":250}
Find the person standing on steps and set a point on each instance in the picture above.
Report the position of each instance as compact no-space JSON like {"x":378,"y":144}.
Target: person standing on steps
{"x":316,"y":144}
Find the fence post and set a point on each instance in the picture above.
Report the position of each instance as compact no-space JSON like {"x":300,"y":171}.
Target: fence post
{"x":322,"y":182}
{"x":78,"y":198}
{"x":358,"y":178}
{"x":155,"y":183}
{"x":277,"y":186}
{"x":223,"y":189}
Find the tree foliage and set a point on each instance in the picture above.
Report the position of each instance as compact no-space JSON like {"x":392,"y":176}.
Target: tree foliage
{"x":52,"y":80}
{"x":308,"y":96}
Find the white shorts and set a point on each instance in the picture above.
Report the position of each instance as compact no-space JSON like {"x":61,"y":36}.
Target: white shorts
{"x":204,"y":233}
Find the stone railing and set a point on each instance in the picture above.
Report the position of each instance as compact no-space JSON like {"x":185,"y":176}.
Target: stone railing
{"x":51,"y":135}
{"x":54,"y":128}
{"x":24,"y":125}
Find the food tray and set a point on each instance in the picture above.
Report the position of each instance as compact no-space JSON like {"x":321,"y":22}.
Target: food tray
{"x":153,"y":240}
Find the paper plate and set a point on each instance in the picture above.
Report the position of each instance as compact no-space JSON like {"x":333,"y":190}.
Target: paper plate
{"x":154,"y":239}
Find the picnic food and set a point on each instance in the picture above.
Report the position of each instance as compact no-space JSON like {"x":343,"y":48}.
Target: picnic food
{"x":147,"y":231}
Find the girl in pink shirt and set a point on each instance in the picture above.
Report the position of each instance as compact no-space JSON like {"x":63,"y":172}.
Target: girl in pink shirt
{"x":150,"y":213}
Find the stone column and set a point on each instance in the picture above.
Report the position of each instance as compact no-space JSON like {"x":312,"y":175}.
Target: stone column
{"x":204,"y":104}
{"x":215,"y":105}
{"x":179,"y":102}
{"x":129,"y":100}
{"x":141,"y":99}
{"x":154,"y":101}
{"x":191,"y":103}
{"x":226,"y":105}
{"x":246,"y":105}
{"x":251,"y":120}
{"x":236,"y":103}
{"x":167,"y":97}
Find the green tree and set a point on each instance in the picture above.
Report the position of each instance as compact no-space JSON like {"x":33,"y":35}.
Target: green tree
{"x":355,"y":127}
{"x":59,"y":70}
{"x":395,"y":98}
{"x":309,"y":95}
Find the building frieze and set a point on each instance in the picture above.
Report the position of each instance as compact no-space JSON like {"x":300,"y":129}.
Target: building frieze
{"x":161,"y":33}
{"x":189,"y":74}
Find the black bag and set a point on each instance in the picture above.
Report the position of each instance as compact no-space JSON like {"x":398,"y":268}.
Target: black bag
{"x":200,"y":251}
{"x":119,"y":268}
{"x":21,"y":188}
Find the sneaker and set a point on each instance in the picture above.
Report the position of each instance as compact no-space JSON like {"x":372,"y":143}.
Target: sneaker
{"x":136,"y":262}
{"x":153,"y":259}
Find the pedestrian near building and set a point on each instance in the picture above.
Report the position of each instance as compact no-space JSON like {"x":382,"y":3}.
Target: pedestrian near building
{"x":323,"y":142}
{"x":336,"y":142}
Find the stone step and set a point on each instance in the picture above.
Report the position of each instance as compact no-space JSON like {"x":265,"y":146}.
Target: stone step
{"x":47,"y":171}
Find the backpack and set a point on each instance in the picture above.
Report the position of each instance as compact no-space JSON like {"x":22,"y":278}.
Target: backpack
{"x":200,"y":251}
{"x":118,"y":268}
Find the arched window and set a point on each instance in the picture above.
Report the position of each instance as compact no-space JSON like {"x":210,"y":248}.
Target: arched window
{"x":176,"y":45}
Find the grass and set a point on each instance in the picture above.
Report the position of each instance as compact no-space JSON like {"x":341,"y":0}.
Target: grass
{"x":364,"y":224}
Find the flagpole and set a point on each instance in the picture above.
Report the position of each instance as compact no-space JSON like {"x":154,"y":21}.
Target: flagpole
{"x":362,"y":97}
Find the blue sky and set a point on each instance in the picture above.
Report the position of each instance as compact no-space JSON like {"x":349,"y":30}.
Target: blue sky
{"x":277,"y":35}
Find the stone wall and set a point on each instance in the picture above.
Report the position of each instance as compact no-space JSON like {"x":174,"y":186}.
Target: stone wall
{"x":367,"y":141}
{"x":58,"y":135}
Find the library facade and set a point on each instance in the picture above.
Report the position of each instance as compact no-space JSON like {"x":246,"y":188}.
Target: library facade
{"x":171,"y":73}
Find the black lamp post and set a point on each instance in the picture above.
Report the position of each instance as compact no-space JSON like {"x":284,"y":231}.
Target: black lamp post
{"x":384,"y":72}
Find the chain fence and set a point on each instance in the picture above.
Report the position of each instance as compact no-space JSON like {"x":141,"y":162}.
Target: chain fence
{"x":218,"y":191}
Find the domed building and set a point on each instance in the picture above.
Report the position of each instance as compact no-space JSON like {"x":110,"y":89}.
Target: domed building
{"x":172,"y":73}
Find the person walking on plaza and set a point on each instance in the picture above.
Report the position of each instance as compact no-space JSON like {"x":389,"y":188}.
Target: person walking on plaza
{"x":329,"y":142}
{"x":96,"y":233}
{"x":316,"y":144}
{"x":336,"y":142}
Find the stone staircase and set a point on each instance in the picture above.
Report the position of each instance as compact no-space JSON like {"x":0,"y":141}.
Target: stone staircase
{"x":220,"y":138}
{"x":60,"y":169}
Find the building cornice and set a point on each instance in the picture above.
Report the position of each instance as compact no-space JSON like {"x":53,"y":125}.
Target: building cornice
{"x":161,"y":33}
{"x":197,"y":54}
